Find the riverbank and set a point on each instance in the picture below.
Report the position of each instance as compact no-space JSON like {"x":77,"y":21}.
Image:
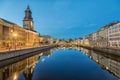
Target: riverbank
{"x":11,"y":54}
{"x":104,"y":50}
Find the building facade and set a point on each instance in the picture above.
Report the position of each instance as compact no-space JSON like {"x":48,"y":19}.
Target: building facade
{"x":45,"y":40}
{"x":10,"y":34}
{"x":32,"y":37}
{"x":114,"y":35}
{"x":103,"y":37}
{"x":106,"y":37}
{"x":28,"y":20}
{"x":94,"y":39}
{"x":14,"y":36}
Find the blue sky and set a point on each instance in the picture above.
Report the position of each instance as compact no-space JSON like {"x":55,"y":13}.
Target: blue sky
{"x":63,"y":18}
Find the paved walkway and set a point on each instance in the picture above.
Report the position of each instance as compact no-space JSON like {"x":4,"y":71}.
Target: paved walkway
{"x":12,"y":54}
{"x":13,"y":49}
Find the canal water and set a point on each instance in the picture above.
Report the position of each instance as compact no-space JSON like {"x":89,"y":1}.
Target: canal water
{"x":62,"y":64}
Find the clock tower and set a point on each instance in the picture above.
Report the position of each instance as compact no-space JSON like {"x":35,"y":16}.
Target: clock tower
{"x":28,"y":20}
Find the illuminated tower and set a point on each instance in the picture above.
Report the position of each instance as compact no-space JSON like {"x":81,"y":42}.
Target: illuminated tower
{"x":28,"y":20}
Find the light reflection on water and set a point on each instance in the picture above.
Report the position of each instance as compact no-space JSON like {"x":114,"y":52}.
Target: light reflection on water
{"x":64,"y":64}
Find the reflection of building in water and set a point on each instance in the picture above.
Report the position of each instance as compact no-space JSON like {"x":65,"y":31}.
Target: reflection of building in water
{"x":22,"y":66}
{"x":86,"y":51}
{"x":108,"y":62}
{"x":114,"y":67}
{"x":12,"y":71}
{"x":49,"y":52}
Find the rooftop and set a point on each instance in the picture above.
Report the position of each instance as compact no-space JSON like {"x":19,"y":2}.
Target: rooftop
{"x":6,"y":21}
{"x":111,"y":24}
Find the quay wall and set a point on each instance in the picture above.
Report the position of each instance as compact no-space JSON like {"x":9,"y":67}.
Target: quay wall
{"x":11,"y":54}
{"x":104,"y":50}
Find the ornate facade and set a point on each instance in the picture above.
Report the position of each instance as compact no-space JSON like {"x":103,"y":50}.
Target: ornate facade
{"x":7,"y":31}
{"x":28,"y":20}
{"x":14,"y":36}
{"x":32,"y":37}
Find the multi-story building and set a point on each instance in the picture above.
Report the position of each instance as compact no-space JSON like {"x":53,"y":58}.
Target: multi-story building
{"x":45,"y":40}
{"x":103,"y":37}
{"x":90,"y":41}
{"x":114,"y":35}
{"x":94,"y":39}
{"x":32,"y":38}
{"x":85,"y":42}
{"x":13,"y":36}
{"x":28,"y":24}
{"x":107,"y":37}
{"x":20,"y":39}
{"x":8,"y":31}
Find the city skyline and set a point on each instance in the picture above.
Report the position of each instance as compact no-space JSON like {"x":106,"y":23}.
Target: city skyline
{"x":56,"y":39}
{"x":63,"y":18}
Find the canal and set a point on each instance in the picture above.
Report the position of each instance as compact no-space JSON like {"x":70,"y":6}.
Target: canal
{"x":62,"y":64}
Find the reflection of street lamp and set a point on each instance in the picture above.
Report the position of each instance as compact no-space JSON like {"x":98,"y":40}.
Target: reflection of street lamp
{"x":14,"y":35}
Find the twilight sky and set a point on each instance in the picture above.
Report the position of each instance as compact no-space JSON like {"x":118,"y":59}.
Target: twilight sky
{"x":63,"y":18}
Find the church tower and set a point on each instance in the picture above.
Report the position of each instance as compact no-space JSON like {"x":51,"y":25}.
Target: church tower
{"x":28,"y":20}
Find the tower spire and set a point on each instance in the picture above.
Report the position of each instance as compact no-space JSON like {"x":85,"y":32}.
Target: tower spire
{"x":28,"y":13}
{"x":28,"y":6}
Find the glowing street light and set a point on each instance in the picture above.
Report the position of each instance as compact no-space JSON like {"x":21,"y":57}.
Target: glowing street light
{"x":14,"y":34}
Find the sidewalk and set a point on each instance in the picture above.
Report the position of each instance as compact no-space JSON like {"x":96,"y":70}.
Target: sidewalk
{"x":17,"y":53}
{"x":13,"y":49}
{"x":19,"y":48}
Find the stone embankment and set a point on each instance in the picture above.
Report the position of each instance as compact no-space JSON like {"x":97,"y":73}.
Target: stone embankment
{"x":11,"y":54}
{"x":104,"y":50}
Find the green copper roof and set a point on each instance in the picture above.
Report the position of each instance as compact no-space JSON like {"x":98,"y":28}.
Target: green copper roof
{"x":6,"y":21}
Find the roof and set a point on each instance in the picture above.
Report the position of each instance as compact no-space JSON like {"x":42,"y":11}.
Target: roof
{"x":46,"y":36}
{"x":111,"y":24}
{"x":30,"y":30}
{"x":6,"y":21}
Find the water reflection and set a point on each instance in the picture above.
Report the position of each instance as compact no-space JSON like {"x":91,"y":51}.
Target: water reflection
{"x":61,"y":64}
{"x":20,"y":68}
{"x":108,"y":62}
